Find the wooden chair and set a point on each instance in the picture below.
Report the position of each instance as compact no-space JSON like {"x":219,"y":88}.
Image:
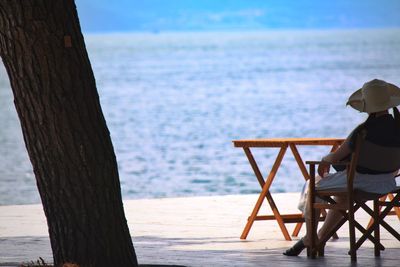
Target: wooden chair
{"x":355,"y":200}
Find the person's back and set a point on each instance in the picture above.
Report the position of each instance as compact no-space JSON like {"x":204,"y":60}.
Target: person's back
{"x":380,"y":150}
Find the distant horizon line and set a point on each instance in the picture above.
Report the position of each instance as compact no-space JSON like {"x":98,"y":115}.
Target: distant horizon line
{"x":227,"y":30}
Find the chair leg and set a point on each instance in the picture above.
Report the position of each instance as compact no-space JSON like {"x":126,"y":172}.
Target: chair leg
{"x":380,"y":220}
{"x":321,"y":251}
{"x":313,"y":236}
{"x":352,"y":234}
{"x":368,"y":235}
{"x":313,"y":222}
{"x":376,"y":228}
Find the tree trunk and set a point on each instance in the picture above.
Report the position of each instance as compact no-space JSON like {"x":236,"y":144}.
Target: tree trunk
{"x":65,"y":133}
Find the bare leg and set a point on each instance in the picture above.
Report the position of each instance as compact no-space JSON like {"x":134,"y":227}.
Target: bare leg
{"x":330,"y":222}
{"x":332,"y":217}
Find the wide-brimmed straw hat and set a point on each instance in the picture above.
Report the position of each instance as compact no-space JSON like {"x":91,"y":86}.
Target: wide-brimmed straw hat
{"x":375,"y":96}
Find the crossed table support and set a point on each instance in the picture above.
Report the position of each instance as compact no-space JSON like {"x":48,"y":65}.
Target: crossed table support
{"x":283,"y":144}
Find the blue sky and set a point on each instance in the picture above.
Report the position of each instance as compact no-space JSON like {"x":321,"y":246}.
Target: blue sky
{"x":189,"y":15}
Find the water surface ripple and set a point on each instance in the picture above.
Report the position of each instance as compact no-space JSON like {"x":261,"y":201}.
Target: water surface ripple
{"x":175,"y":101}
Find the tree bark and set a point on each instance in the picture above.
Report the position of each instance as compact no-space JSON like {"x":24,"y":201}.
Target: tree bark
{"x":65,"y":133}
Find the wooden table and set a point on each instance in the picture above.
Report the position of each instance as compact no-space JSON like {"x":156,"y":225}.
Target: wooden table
{"x":283,"y":144}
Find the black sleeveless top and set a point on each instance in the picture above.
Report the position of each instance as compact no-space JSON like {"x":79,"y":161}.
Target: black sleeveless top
{"x":380,"y":131}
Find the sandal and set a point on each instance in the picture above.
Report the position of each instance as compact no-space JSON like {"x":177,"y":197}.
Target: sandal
{"x":296,"y":249}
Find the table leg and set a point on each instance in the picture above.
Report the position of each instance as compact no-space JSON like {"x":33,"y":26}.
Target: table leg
{"x":278,"y":216}
{"x":306,"y":176}
{"x":254,"y":166}
{"x":299,"y":161}
{"x":396,"y":209}
{"x":335,"y":146}
{"x":265,"y":192}
{"x":297,"y":229}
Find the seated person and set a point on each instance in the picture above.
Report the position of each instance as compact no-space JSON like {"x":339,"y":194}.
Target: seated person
{"x":375,"y":172}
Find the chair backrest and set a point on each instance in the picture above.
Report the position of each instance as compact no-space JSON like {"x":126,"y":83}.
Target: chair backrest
{"x":379,"y":158}
{"x":354,"y":162}
{"x":373,"y":157}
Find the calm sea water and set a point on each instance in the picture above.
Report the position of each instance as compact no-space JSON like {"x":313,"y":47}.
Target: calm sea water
{"x":175,"y":101}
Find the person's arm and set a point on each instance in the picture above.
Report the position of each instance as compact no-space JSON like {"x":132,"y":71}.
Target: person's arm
{"x":339,"y":154}
{"x":343,"y":151}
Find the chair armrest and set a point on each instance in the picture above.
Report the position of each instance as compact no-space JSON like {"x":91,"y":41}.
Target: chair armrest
{"x":317,"y":162}
{"x":342,"y":163}
{"x":313,"y":162}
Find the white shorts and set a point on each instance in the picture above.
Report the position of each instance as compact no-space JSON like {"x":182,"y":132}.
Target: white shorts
{"x":373,"y":183}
